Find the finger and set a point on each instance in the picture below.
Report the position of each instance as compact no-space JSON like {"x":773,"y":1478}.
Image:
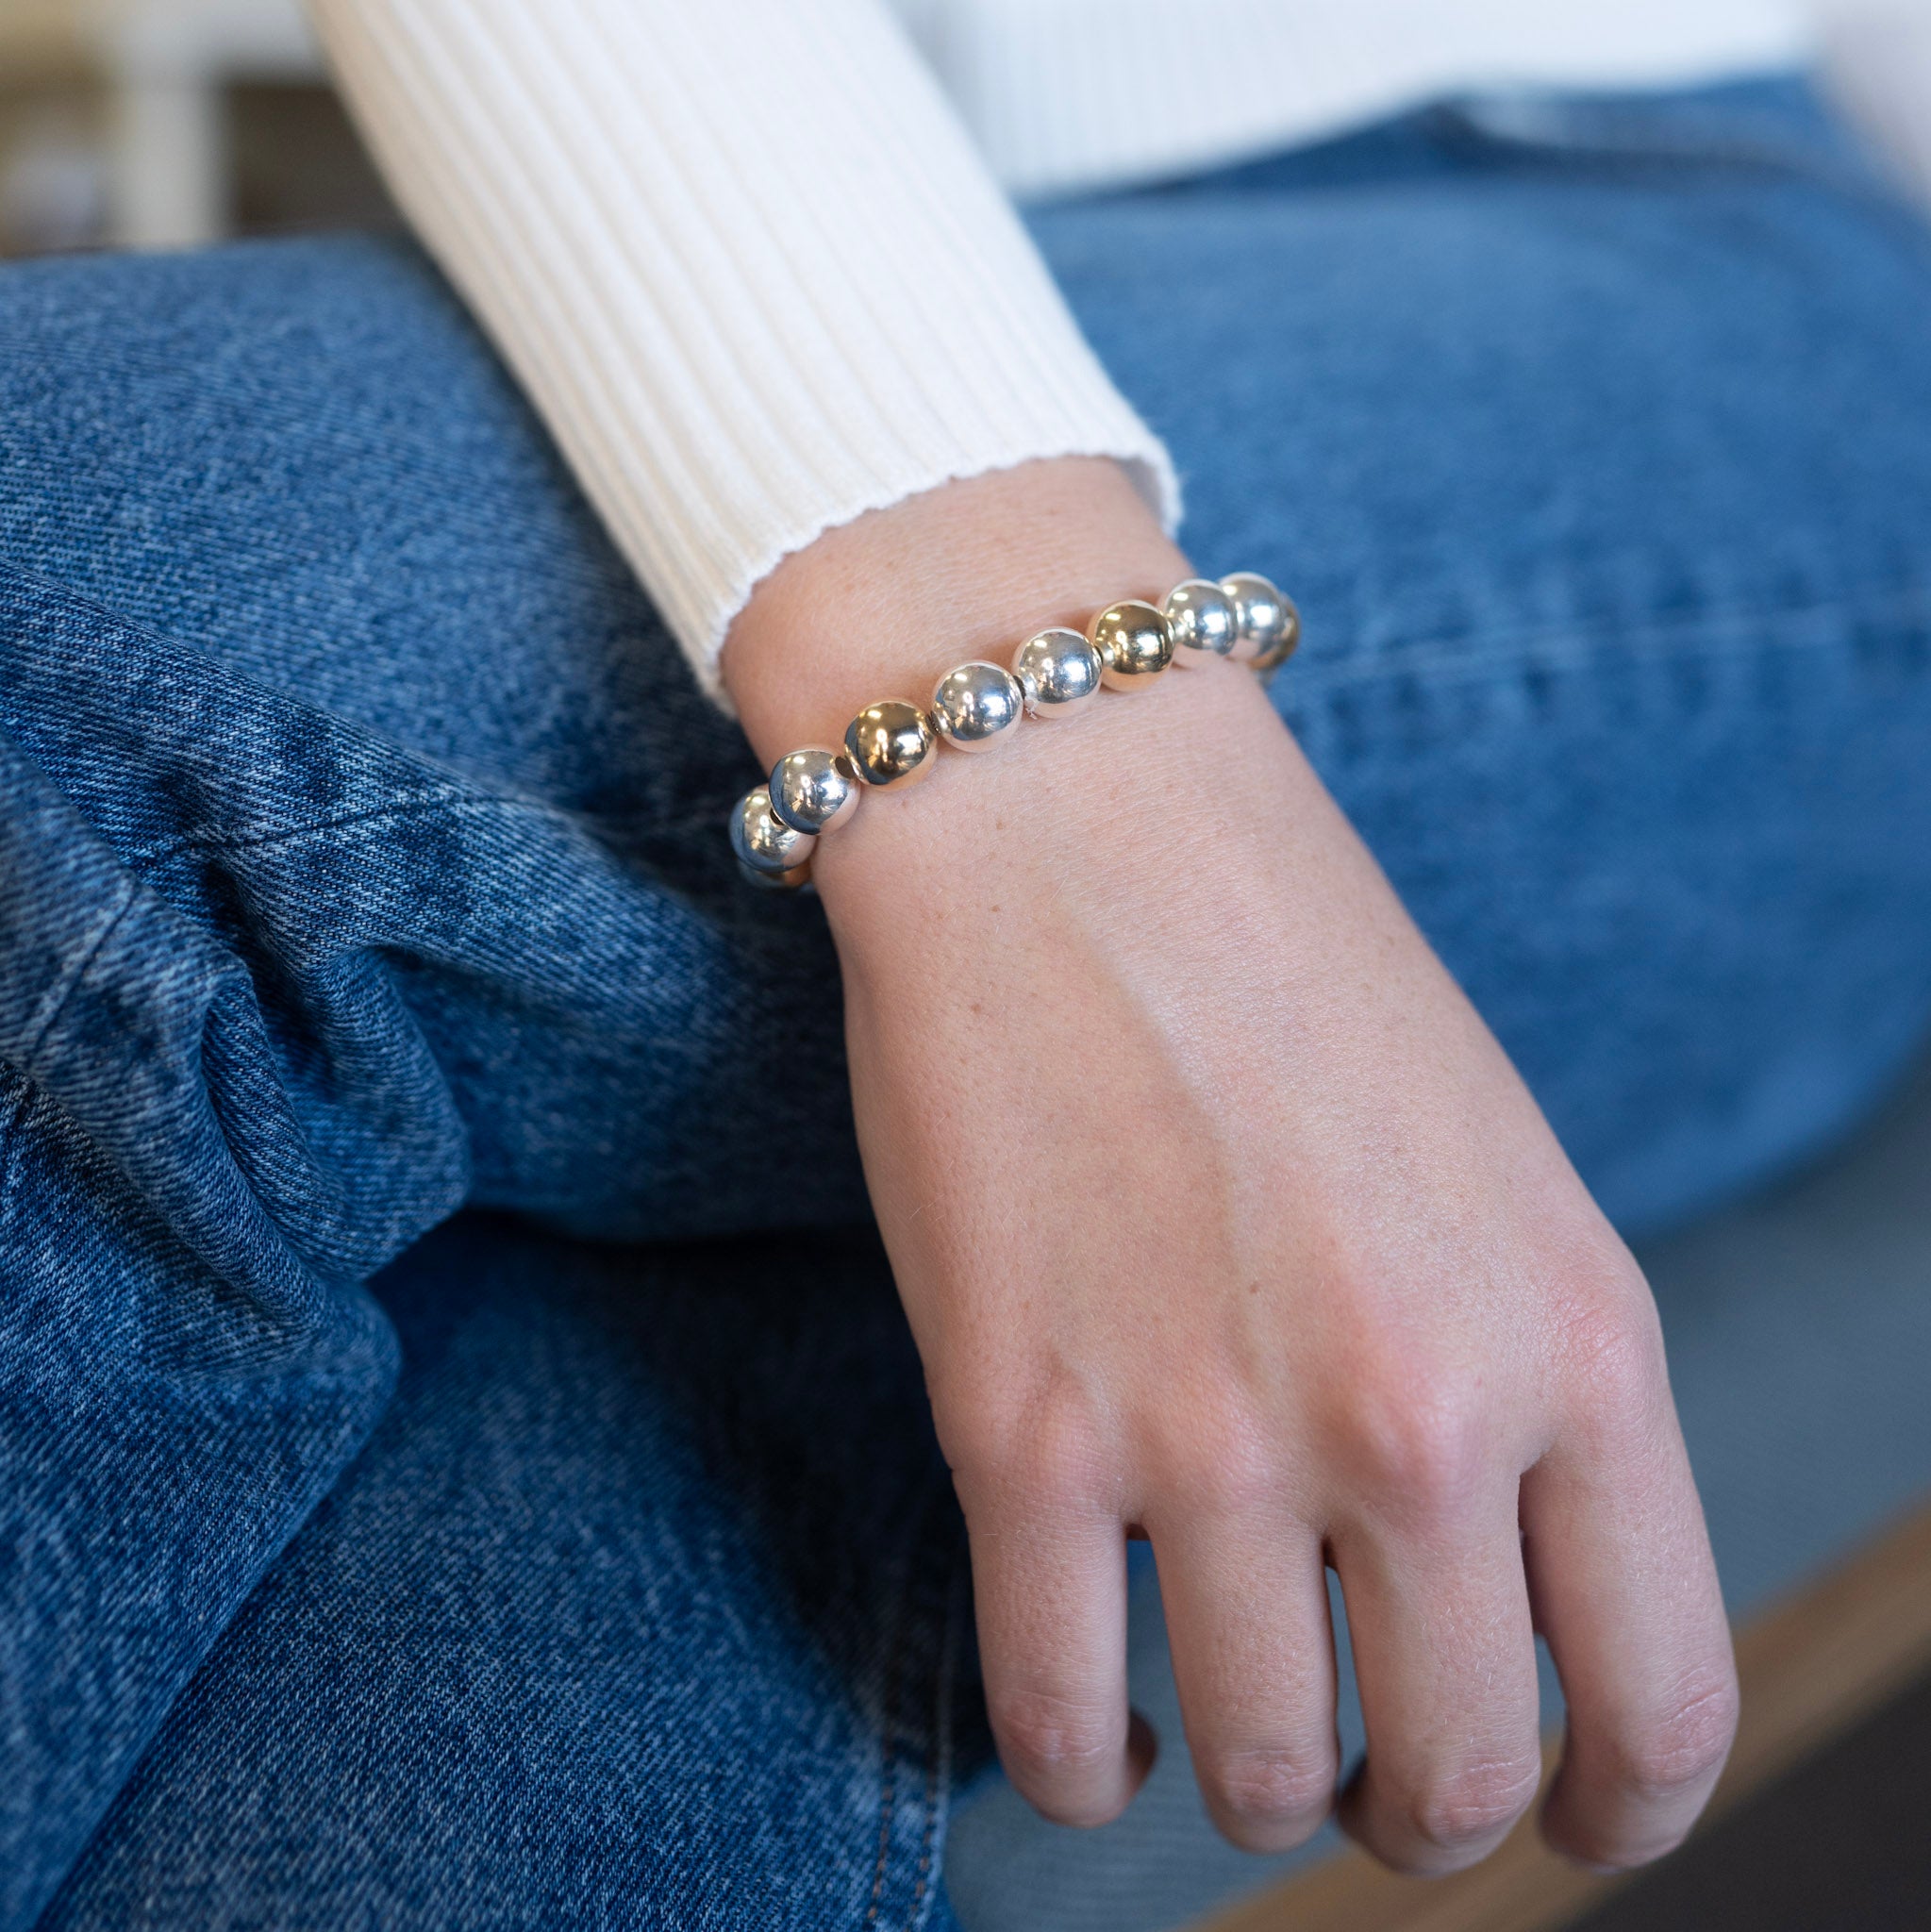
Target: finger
{"x":1444,"y":1654}
{"x":1246,"y":1608}
{"x":1626,"y":1592}
{"x":1049,"y":1587}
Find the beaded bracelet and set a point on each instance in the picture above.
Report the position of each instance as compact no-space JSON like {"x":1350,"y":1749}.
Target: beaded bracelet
{"x":1055,"y":673}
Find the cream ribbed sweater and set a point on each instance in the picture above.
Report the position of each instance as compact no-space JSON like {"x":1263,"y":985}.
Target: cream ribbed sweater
{"x":757,"y":274}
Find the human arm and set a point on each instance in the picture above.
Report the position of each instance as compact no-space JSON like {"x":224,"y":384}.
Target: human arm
{"x":742,"y":259}
{"x":1219,"y":1215}
{"x":1222,"y":1217}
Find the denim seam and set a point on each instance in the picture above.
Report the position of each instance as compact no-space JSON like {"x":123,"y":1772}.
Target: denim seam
{"x":935,"y":1754}
{"x":58,"y":994}
{"x":404,"y":806}
{"x":9,"y":1123}
{"x":448,"y":798}
{"x":1615,"y":142}
{"x":366,"y":820}
{"x":443,"y":792}
{"x":1735,"y":634}
{"x":1743,"y":634}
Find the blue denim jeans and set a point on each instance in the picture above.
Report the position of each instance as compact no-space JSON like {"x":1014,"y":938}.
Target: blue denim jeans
{"x":440,"y":1484}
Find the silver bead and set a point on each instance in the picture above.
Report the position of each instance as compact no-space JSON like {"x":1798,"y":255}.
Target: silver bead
{"x":797,"y":879}
{"x":1059,"y":671}
{"x":762,"y":840}
{"x":814,"y":789}
{"x":891,"y":742}
{"x":1269,"y":624}
{"x":1203,"y":619}
{"x":1283,"y":646}
{"x":1133,"y":639}
{"x":974,"y":705}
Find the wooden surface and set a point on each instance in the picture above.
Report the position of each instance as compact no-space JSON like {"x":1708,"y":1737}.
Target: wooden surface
{"x":1811,"y":1666}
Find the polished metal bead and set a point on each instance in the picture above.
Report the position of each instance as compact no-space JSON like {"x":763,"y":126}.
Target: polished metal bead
{"x":1134,"y":642}
{"x":792,"y":881}
{"x":1283,"y":646}
{"x":975,"y":705}
{"x":814,"y":789}
{"x":890,"y":744}
{"x":1203,"y":619}
{"x":1269,"y":624}
{"x":762,"y":840}
{"x":1059,"y":671}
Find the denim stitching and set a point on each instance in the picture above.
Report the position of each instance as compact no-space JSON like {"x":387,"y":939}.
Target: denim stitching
{"x":447,"y":798}
{"x":404,"y":805}
{"x":1438,"y":661}
{"x":59,"y":995}
{"x":1736,"y":635}
{"x":443,"y":792}
{"x":9,"y":1124}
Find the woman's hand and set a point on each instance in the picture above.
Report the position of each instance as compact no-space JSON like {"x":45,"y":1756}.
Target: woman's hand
{"x":1219,"y":1215}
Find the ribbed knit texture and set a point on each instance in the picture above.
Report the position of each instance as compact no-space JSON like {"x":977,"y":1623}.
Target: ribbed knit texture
{"x":742,"y":257}
{"x":758,"y":277}
{"x":1065,"y":94}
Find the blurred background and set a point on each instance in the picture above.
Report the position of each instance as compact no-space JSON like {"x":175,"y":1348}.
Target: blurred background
{"x":169,"y":122}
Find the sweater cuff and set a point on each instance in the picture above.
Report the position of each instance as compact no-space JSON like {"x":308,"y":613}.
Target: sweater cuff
{"x":743,"y":258}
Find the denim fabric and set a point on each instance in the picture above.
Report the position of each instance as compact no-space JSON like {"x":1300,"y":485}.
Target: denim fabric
{"x":640,"y":1608}
{"x":360,"y":863}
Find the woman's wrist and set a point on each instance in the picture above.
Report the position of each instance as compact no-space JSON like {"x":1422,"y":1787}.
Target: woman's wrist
{"x":881,"y":607}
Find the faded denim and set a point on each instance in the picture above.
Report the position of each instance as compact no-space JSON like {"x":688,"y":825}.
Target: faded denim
{"x":361,"y":866}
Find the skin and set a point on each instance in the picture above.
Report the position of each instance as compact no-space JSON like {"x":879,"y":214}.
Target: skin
{"x":1221,"y":1218}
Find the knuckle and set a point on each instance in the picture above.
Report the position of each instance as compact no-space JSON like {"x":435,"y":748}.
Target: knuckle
{"x":1218,"y":1459}
{"x":1474,"y":1802}
{"x":1425,"y":1451}
{"x":1272,"y":1786}
{"x":1616,"y":1363}
{"x":1049,"y":1449}
{"x":1612,"y":1341}
{"x":1665,"y":1759}
{"x":1048,"y":1740}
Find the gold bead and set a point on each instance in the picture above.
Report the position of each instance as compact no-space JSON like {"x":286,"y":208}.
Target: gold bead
{"x":891,"y":742}
{"x":1134,"y":644}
